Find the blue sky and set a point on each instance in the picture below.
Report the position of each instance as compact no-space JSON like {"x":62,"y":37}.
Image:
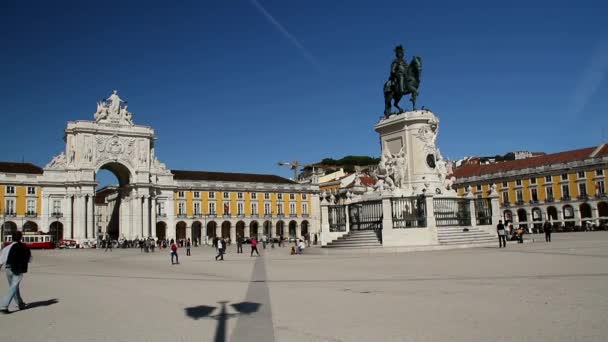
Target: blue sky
{"x":239,"y":85}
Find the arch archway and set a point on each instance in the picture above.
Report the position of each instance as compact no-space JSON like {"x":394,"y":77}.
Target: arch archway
{"x":522,"y":217}
{"x":537,"y":218}
{"x":267,"y":228}
{"x":293,"y":229}
{"x":30,"y":227}
{"x":253,"y":229}
{"x":508,"y":216}
{"x":586,"y":215}
{"x":568,"y":213}
{"x":197,"y":228}
{"x":602,"y":212}
{"x":240,"y":229}
{"x":280,"y":228}
{"x":226,"y":229}
{"x":304,"y":228}
{"x":9,"y":228}
{"x":56,"y":230}
{"x":552,"y":213}
{"x":211,"y":229}
{"x":180,"y":230}
{"x":161,"y":230}
{"x":112,"y":178}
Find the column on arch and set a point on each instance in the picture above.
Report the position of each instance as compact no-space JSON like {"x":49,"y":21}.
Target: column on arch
{"x":298,"y":230}
{"x":153,"y":220}
{"x":90,"y":229}
{"x":80,"y":230}
{"x":68,"y":217}
{"x":145,"y":229}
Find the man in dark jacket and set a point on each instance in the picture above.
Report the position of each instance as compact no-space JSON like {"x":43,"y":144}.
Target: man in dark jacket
{"x":547,"y":228}
{"x":15,"y":258}
{"x":502,"y":234}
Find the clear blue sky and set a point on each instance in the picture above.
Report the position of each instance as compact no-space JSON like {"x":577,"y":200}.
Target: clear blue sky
{"x":239,"y":85}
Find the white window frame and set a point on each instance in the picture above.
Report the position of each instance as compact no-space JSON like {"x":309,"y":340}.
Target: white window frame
{"x":181,"y":208}
{"x":578,"y":175}
{"x":266,"y":195}
{"x":267,"y":208}
{"x":304,"y":196}
{"x":564,"y":178}
{"x":56,"y":206}
{"x":280,"y":196}
{"x":567,"y":187}
{"x":254,"y":208}
{"x":292,"y":208}
{"x":304,"y":208}
{"x":240,"y":208}
{"x":239,"y":195}
{"x":211,"y":194}
{"x":9,"y":207}
{"x":582,"y":189}
{"x":292,"y":197}
{"x":505,"y":184}
{"x":279,"y":208}
{"x":197,"y":208}
{"x":30,"y":207}
{"x":533,"y":192}
{"x":226,"y":204}
{"x":599,"y":172}
{"x":10,"y":189}
{"x":161,"y":208}
{"x":600,"y":187}
{"x":518,"y":182}
{"x":254,"y":195}
{"x":519,"y":195}
{"x":478,"y":187}
{"x":226,"y":195}
{"x":212,"y":209}
{"x":196,"y":194}
{"x":181,"y":194}
{"x":533,"y":180}
{"x":505,"y":197}
{"x":33,"y":190}
{"x":549,"y":192}
{"x":548,"y":179}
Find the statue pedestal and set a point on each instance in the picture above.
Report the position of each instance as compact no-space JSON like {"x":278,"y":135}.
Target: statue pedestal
{"x":415,"y":133}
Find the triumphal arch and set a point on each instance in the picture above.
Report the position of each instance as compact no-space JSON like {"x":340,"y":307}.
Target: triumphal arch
{"x":112,"y":142}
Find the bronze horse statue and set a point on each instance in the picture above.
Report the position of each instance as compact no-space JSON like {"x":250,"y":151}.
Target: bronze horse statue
{"x":400,"y":84}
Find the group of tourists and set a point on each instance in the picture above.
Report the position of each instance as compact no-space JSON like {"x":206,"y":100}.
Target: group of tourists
{"x":518,"y":234}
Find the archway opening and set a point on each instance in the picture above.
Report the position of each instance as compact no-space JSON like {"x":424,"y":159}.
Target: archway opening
{"x":211,"y":229}
{"x":226,"y":229}
{"x":267,"y":229}
{"x":253,"y":229}
{"x":112,"y":180}
{"x":552,"y":213}
{"x":280,"y":228}
{"x":522,"y":217}
{"x":30,"y":227}
{"x":180,"y":231}
{"x":56,"y":231}
{"x":537,"y":217}
{"x":586,"y":215}
{"x":293,"y":229}
{"x":8,"y":228}
{"x":240,"y":229}
{"x":568,"y":212}
{"x":304,"y":229}
{"x":197,"y":230}
{"x":161,"y":230}
{"x":602,"y":213}
{"x":508,"y":216}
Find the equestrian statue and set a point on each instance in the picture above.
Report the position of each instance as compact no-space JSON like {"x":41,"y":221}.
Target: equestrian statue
{"x":403,"y":80}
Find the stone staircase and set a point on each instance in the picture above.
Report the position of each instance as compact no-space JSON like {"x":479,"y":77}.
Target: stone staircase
{"x":357,"y":239}
{"x":456,"y":236}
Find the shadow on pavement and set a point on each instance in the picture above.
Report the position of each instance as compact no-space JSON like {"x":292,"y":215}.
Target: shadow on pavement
{"x":205,"y":311}
{"x":40,"y":303}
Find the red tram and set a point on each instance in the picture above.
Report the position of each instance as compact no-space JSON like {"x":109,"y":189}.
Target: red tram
{"x":34,"y":240}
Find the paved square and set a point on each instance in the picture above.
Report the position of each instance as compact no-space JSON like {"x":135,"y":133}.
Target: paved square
{"x":530,"y":292}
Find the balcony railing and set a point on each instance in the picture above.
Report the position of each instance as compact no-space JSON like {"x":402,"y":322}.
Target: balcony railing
{"x":583,"y":197}
{"x":292,"y":215}
{"x":30,"y":214}
{"x":520,"y":202}
{"x":197,"y":215}
{"x":566,"y":198}
{"x":161,"y":214}
{"x":9,"y":213}
{"x":550,"y":199}
{"x":304,"y":215}
{"x":57,"y":214}
{"x":182,"y":215}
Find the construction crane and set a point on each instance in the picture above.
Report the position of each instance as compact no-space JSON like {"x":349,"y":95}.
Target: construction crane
{"x":292,"y":165}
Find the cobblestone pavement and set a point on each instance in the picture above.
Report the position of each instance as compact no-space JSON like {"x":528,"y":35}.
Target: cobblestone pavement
{"x":530,"y":292}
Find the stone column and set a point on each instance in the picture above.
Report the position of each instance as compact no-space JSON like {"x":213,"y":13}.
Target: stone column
{"x":146,"y":218}
{"x":45,"y":214}
{"x":232,"y":232}
{"x":324,"y":233}
{"x":431,"y":223}
{"x":472,"y":211}
{"x":218,"y":230}
{"x":577,"y":215}
{"x":81,"y":214}
{"x":299,"y":226}
{"x":595,"y":215}
{"x":68,"y":216}
{"x":189,"y":232}
{"x":90,"y":217}
{"x":247,"y":230}
{"x":153,"y":220}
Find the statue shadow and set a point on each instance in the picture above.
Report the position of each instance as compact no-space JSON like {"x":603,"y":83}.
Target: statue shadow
{"x":41,"y":303}
{"x":206,"y":312}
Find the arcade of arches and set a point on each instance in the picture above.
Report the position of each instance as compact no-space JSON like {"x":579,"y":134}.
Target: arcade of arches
{"x":231,"y":229}
{"x":569,"y":215}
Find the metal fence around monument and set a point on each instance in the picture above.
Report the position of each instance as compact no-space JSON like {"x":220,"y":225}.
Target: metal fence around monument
{"x":337,"y":218}
{"x":483,"y":211}
{"x":365,"y":215}
{"x":409,"y":212}
{"x":452,"y":212}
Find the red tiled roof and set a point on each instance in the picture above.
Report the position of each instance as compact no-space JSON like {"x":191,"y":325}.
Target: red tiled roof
{"x":542,"y":160}
{"x":14,"y":167}
{"x":228,"y":177}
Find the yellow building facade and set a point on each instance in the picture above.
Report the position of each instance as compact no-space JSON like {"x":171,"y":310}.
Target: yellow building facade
{"x":566,"y":188}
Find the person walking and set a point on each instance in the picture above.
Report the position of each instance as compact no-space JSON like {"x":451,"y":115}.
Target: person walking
{"x":547,"y":228}
{"x":254,"y":246}
{"x":174,"y":253}
{"x":15,"y":258}
{"x":188,"y":246}
{"x":502,"y":234}
{"x":220,"y":249}
{"x":239,"y":244}
{"x":264,"y":241}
